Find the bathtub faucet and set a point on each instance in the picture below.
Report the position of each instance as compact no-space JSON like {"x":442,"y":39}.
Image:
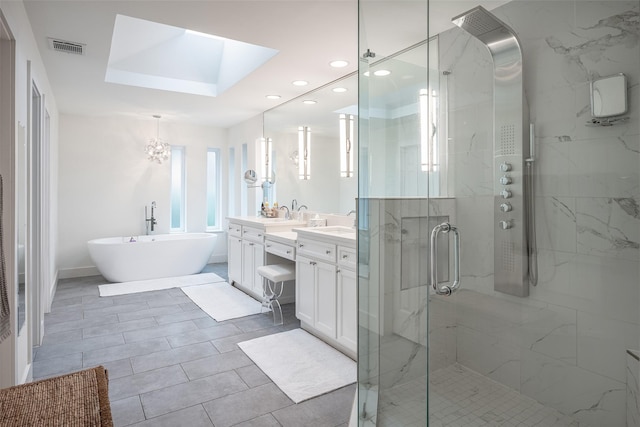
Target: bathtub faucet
{"x":150,"y":221}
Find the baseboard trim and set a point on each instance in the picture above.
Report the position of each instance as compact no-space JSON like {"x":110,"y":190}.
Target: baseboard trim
{"x":70,"y":273}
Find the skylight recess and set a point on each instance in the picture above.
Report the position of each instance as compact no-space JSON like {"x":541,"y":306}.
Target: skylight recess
{"x":160,"y":56}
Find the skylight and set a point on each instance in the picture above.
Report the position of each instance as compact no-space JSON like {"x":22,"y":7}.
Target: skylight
{"x":159,"y":56}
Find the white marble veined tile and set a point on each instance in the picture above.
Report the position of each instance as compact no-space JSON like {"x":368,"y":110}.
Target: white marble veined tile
{"x":552,"y":168}
{"x":472,"y":173}
{"x":550,"y":330}
{"x":609,"y":227}
{"x":489,"y":355}
{"x":603,"y":343}
{"x":556,"y":223}
{"x":593,"y":399}
{"x":606,"y":167}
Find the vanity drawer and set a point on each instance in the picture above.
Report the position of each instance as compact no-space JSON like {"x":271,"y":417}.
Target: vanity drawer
{"x":280,"y":249}
{"x":234,"y":229}
{"x":253,"y":234}
{"x":347,"y":257}
{"x":319,"y":250}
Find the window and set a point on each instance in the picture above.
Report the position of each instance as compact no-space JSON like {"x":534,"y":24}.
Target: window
{"x":244,"y":160}
{"x":213,"y":189}
{"x":178,"y":191}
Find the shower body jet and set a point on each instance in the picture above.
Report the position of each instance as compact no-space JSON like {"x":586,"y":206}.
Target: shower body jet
{"x":510,"y":148}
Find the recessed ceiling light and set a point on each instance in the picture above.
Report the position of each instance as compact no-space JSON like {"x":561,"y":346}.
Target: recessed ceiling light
{"x":339,"y":89}
{"x":339,"y":63}
{"x":381,"y":73}
{"x":299,"y":82}
{"x":272,"y":96}
{"x":309,"y":101}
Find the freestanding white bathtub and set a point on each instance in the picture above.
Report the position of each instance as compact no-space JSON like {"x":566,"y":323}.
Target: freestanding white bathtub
{"x":123,"y":259}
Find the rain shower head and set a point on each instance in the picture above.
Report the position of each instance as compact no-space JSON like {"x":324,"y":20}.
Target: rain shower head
{"x":484,"y":26}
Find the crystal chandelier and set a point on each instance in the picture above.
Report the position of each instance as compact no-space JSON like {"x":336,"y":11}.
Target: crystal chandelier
{"x":157,"y":149}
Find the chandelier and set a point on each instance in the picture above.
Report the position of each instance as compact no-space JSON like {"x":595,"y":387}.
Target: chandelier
{"x":157,"y":149}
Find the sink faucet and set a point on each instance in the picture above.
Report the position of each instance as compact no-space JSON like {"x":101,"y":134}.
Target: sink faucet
{"x":294,"y":205}
{"x":355,"y":219}
{"x":150,"y":221}
{"x":286,"y":215}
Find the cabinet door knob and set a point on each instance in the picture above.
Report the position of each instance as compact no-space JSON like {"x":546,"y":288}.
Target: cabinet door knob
{"x":268,"y":246}
{"x":328,"y":252}
{"x":312,"y":262}
{"x":289,"y":251}
{"x":345,"y":256}
{"x":300,"y":245}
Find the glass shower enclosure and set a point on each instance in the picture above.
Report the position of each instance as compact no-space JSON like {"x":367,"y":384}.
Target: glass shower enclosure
{"x":499,"y":213}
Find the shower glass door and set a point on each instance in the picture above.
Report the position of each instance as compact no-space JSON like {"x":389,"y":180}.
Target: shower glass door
{"x":562,"y":349}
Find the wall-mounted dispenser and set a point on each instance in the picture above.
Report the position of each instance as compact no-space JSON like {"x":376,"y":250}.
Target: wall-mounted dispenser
{"x":608,"y":100}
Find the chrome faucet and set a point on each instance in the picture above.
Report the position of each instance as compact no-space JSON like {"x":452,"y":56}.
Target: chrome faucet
{"x":355,"y":219}
{"x":150,"y":222}
{"x":286,"y":215}
{"x":294,"y":205}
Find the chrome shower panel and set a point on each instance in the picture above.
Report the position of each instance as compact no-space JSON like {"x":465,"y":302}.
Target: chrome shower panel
{"x":510,"y":149}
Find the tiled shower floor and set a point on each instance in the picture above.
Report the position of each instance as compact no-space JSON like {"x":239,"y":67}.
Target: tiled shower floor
{"x":463,"y":398}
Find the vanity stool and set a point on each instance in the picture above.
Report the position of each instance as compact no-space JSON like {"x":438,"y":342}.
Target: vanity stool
{"x":274,"y":276}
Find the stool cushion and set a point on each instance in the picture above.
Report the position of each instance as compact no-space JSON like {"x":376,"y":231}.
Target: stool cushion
{"x":278,"y":272}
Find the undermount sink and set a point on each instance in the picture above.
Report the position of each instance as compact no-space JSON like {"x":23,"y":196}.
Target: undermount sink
{"x":336,"y":230}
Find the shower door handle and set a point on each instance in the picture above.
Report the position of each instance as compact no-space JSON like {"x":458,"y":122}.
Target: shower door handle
{"x":445,"y":227}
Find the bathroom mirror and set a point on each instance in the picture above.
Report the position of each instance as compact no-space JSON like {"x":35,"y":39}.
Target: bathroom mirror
{"x":326,"y":191}
{"x":609,"y":96}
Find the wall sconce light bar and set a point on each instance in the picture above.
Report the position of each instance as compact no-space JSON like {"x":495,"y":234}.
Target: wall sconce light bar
{"x":266,"y":153}
{"x":346,"y":145}
{"x":304,"y":152}
{"x":428,"y":130}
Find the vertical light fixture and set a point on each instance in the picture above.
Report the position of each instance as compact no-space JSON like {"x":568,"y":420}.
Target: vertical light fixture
{"x":266,"y":147}
{"x":428,"y":135}
{"x":157,"y":150}
{"x":304,"y":152}
{"x":346,"y":145}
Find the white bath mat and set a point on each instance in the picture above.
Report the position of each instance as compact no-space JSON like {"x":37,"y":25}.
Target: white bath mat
{"x":302,"y":365}
{"x":136,"y":286}
{"x":222,"y":301}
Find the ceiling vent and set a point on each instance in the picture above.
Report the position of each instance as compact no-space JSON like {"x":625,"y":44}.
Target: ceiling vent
{"x":66,"y":47}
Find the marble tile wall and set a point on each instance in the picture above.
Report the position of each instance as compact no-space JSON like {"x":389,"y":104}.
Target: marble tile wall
{"x":565,"y":345}
{"x":633,"y":389}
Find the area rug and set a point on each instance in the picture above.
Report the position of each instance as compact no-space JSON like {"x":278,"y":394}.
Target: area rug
{"x":136,"y":286}
{"x":222,"y":301}
{"x":301,"y":365}
{"x":72,"y":400}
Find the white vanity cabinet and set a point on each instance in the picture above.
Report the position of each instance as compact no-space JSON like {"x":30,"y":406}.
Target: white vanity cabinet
{"x":326,"y":288}
{"x":251,"y":245}
{"x":252,"y":258}
{"x":234,"y":252}
{"x":347,"y":298}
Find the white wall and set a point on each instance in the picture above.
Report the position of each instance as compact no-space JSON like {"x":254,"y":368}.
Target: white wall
{"x":106,"y":181}
{"x":26,"y":50}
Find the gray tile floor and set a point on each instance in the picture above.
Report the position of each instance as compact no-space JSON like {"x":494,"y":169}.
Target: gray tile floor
{"x":170,"y":364}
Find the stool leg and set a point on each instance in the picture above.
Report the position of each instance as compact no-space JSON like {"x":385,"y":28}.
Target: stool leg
{"x":266,"y":298}
{"x":277,"y":312}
